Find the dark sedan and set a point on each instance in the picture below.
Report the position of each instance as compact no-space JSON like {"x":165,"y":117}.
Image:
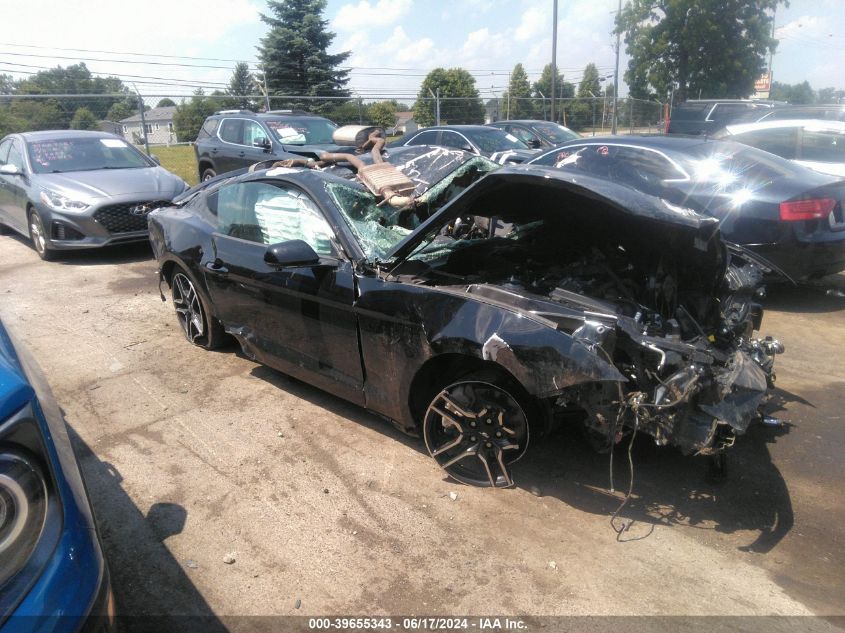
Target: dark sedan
{"x":537,"y":134}
{"x":68,"y":190}
{"x":495,"y":144}
{"x":524,"y":296}
{"x":53,"y":576}
{"x":789,"y":214}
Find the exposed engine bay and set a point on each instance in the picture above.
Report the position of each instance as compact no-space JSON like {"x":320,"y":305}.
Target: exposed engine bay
{"x":668,"y":304}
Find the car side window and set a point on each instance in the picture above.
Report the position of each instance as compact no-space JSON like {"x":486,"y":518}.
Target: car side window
{"x":231,"y":131}
{"x":252,"y":132}
{"x":424,"y":138}
{"x":526,"y":136}
{"x":453,"y":139}
{"x":269,"y":214}
{"x":823,"y":146}
{"x":15,"y":156}
{"x":780,"y":141}
{"x":727,"y":110}
{"x":558,"y":158}
{"x":4,"y":150}
{"x":208,"y":129}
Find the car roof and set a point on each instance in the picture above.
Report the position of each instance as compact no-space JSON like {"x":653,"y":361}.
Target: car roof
{"x":824,"y":124}
{"x":525,"y":121}
{"x":657,"y":141}
{"x":47,"y":135}
{"x":468,"y":128}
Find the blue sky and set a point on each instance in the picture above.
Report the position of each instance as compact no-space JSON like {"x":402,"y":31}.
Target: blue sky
{"x":393,"y":42}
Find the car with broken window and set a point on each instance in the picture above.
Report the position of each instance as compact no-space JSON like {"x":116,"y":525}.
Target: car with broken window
{"x":537,"y":134}
{"x":497,"y":145}
{"x":74,"y":189}
{"x":789,"y":214}
{"x":473,"y":305}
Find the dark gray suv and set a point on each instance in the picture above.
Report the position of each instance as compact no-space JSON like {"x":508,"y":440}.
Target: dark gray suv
{"x":234,"y":139}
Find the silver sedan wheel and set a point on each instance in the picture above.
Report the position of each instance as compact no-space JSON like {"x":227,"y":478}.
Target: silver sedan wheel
{"x":188,"y":308}
{"x":36,"y":230}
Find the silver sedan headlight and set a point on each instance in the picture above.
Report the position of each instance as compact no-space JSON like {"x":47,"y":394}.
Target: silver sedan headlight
{"x":58,"y":202}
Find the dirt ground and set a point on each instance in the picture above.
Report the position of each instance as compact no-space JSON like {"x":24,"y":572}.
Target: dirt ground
{"x":192,"y":456}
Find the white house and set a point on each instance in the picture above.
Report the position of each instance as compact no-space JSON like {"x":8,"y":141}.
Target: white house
{"x":159,"y":122}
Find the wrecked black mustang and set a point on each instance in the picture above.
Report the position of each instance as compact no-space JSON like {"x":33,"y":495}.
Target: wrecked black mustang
{"x":482,"y":310}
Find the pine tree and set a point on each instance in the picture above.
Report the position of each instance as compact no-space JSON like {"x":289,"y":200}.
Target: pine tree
{"x":517,"y":103}
{"x":294,"y":53}
{"x":241,"y":85}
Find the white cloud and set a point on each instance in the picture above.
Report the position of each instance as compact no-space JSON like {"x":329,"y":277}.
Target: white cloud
{"x":534,"y":22}
{"x":351,"y":17}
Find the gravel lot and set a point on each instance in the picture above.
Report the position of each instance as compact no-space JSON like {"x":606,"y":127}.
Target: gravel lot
{"x":192,"y":457}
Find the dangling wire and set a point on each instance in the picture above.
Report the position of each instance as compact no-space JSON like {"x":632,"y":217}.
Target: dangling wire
{"x":627,"y":526}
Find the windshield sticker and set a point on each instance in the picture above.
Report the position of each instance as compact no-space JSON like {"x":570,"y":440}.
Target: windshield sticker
{"x":512,"y":138}
{"x":278,"y":171}
{"x":112,"y":142}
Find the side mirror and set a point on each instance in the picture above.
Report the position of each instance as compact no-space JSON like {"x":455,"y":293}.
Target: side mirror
{"x":535,"y":143}
{"x":261,"y":142}
{"x":468,"y":148}
{"x":155,"y":159}
{"x":291,"y":254}
{"x":10,"y":170}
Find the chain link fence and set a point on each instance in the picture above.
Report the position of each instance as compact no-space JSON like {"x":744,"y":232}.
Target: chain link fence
{"x":155,"y":120}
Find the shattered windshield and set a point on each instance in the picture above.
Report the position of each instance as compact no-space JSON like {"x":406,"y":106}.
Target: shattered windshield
{"x":375,"y":227}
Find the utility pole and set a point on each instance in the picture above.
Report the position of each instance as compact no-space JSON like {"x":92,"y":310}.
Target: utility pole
{"x":143,"y":120}
{"x":616,"y":74}
{"x":554,"y":58}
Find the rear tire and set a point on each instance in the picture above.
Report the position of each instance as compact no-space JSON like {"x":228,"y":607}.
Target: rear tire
{"x":208,"y":174}
{"x":38,"y":235}
{"x":197,"y":323}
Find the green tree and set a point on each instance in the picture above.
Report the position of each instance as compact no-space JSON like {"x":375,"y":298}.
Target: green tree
{"x":516,"y":100}
{"x":716,"y":48}
{"x":83,"y":119}
{"x":241,"y":85}
{"x":190,"y":116}
{"x":294,"y":53}
{"x":166,"y":103}
{"x":9,"y":123}
{"x":589,"y":86}
{"x":382,"y":113}
{"x":543,"y":91}
{"x":459,"y":102}
{"x":801,"y":93}
{"x":120,"y":110}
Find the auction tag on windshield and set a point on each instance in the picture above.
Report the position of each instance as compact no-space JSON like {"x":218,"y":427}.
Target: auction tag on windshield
{"x":511,"y":137}
{"x":112,"y":142}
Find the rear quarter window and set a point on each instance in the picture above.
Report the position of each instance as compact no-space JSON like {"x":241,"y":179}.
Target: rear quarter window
{"x":782,"y":141}
{"x":208,"y":129}
{"x":823,"y":146}
{"x":691,"y":111}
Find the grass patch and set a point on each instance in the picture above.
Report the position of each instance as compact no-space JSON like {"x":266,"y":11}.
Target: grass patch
{"x":179,"y":159}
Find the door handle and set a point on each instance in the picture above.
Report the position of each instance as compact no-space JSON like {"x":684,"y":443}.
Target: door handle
{"x":241,"y":154}
{"x":216,"y":268}
{"x":214,"y":150}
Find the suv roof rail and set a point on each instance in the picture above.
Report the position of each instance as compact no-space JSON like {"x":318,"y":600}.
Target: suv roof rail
{"x":296,"y":112}
{"x":234,"y":112}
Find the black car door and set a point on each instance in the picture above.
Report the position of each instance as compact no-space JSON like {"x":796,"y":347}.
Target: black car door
{"x":298,"y":319}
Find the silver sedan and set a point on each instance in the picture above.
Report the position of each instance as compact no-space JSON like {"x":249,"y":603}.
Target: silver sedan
{"x":79,"y":189}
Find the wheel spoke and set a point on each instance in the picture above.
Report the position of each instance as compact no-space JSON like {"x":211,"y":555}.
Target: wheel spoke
{"x":472,"y":450}
{"x":483,"y":459}
{"x":503,"y":468}
{"x":447,"y":419}
{"x":455,"y":406}
{"x":447,"y":446}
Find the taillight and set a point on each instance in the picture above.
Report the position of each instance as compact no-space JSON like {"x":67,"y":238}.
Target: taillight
{"x":806,"y":209}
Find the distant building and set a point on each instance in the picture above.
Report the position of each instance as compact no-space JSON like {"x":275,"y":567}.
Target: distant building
{"x":159,"y":122}
{"x":404,"y":123}
{"x":111,"y":127}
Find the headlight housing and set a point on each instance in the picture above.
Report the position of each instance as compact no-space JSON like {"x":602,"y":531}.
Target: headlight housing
{"x":58,"y":202}
{"x":23,"y":509}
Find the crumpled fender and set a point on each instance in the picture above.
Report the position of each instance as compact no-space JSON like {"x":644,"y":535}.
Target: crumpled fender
{"x":544,"y":359}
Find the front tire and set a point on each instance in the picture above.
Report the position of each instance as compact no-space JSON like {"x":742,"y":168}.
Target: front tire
{"x":38,"y":235}
{"x":195,"y":319}
{"x":476,"y":428}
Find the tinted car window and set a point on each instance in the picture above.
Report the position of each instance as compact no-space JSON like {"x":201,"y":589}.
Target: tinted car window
{"x":84,"y":154}
{"x":726,"y":164}
{"x":823,"y":146}
{"x":267,"y":214}
{"x":208,"y":128}
{"x":4,"y":150}
{"x":521,"y":133}
{"x":555,"y":133}
{"x":231,"y":131}
{"x":780,"y":141}
{"x":424,"y":138}
{"x":252,"y":132}
{"x":494,"y":140}
{"x":727,"y":110}
{"x":453,"y":139}
{"x":302,"y":131}
{"x":690,"y":111}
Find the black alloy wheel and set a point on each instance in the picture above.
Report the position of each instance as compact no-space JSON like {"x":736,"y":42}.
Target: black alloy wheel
{"x":208,"y":174}
{"x":474,"y":430}
{"x":199,"y":327}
